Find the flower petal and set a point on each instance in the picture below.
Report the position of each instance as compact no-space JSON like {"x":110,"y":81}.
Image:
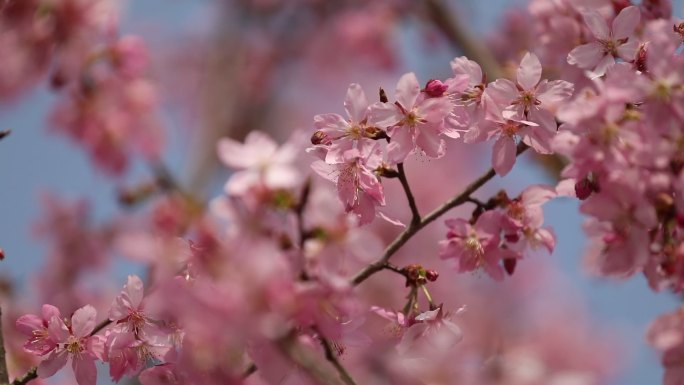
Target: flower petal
{"x":529,"y":71}
{"x":626,"y":22}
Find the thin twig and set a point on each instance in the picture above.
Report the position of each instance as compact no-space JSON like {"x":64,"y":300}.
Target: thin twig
{"x":412,"y":229}
{"x":310,"y":364}
{"x":4,"y":377}
{"x":332,"y":358}
{"x":415,"y":214}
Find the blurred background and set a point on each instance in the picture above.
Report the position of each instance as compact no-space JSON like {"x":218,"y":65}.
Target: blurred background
{"x":217,"y":74}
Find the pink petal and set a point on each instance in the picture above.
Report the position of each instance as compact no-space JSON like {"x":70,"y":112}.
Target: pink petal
{"x":400,"y":146}
{"x":325,"y":170}
{"x":57,"y":330}
{"x":408,"y":90}
{"x":586,"y":56}
{"x":501,"y":92}
{"x":365,"y":209}
{"x":52,"y":364}
{"x":371,"y":185}
{"x":333,"y":125}
{"x":85,"y":370}
{"x":134,"y":290}
{"x":434,"y":110}
{"x":626,"y":22}
{"x":537,"y":195}
{"x":503,"y":155}
{"x":602,"y":66}
{"x":529,"y":71}
{"x":384,"y":115}
{"x":462,"y":65}
{"x":429,"y":141}
{"x":27,"y":323}
{"x":356,"y":103}
{"x":83,"y":321}
{"x":49,"y":311}
{"x":628,"y":50}
{"x":552,"y":93}
{"x":597,"y":24}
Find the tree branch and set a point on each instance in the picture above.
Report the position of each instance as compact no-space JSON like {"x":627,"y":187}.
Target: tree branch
{"x":412,"y":229}
{"x":332,"y":358}
{"x":415,"y":214}
{"x":4,"y":377}
{"x":445,"y":20}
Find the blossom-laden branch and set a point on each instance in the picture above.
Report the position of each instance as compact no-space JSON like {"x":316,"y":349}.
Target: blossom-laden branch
{"x":332,"y":358}
{"x":412,"y":229}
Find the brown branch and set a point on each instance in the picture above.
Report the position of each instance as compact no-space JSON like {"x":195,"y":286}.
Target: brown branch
{"x":312,"y":366}
{"x":4,"y":377}
{"x":445,"y":20}
{"x":412,"y":229}
{"x":415,"y":214}
{"x":332,"y":358}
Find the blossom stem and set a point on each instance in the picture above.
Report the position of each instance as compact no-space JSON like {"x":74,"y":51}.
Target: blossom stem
{"x":332,"y":358}
{"x":428,"y":296}
{"x":415,"y":214}
{"x":413,"y":228}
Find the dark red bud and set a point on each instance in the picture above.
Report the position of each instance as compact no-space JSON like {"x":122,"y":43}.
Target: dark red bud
{"x":509,"y":265}
{"x":583,"y":188}
{"x":435,"y":88}
{"x":320,"y":137}
{"x":431,"y":275}
{"x":2,"y":254}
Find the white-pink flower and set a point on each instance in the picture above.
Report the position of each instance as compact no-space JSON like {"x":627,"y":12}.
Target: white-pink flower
{"x":260,"y":162}
{"x":609,"y":43}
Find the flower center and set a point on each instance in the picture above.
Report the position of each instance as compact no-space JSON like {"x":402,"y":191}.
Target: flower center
{"x":74,"y":345}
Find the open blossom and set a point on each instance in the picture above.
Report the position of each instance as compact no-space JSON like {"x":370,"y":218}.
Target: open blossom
{"x":524,"y":218}
{"x":357,"y":186}
{"x":259,"y":161}
{"x":338,"y":134}
{"x":127,"y":309}
{"x":529,"y":98}
{"x":506,"y":132}
{"x":36,"y":328}
{"x":415,"y":120}
{"x":74,"y":341}
{"x":465,"y":90}
{"x":475,"y":246}
{"x":610,"y":43}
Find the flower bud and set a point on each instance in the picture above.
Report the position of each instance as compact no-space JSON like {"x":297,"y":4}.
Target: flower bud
{"x":431,"y":275}
{"x":320,"y":138}
{"x":435,"y":88}
{"x":2,"y":254}
{"x":509,"y":265}
{"x":583,"y":188}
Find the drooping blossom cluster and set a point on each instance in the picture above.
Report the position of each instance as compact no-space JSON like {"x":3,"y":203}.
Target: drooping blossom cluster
{"x":262,"y":284}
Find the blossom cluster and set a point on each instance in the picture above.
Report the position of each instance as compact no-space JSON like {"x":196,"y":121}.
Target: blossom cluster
{"x":262,"y":283}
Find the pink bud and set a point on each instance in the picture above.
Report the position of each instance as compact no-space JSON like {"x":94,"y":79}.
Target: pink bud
{"x":509,"y":265}
{"x":435,"y":88}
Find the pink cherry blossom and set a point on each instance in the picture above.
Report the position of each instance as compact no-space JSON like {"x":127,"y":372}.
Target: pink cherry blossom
{"x":357,"y":187}
{"x":75,"y":342}
{"x":475,"y":246}
{"x":36,"y":328}
{"x":529,"y":98}
{"x":610,"y":43}
{"x":345,"y":134}
{"x":413,"y":121}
